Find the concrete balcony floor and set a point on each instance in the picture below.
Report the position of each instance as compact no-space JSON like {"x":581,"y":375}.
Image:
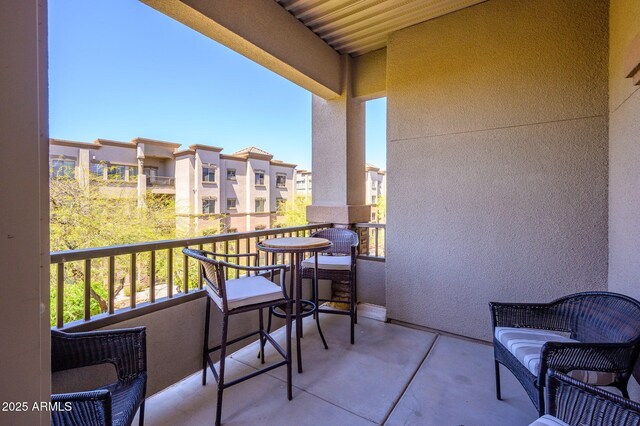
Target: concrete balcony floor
{"x":393,"y":375}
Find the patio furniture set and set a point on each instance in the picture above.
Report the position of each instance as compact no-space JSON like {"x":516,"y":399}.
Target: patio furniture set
{"x":561,"y":352}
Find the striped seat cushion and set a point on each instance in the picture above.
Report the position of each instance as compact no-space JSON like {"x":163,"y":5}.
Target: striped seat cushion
{"x":548,"y":421}
{"x":526,"y":345}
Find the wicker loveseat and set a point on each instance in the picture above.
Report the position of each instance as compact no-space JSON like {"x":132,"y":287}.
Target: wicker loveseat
{"x":571,"y":402}
{"x":592,"y":336}
{"x":112,"y":405}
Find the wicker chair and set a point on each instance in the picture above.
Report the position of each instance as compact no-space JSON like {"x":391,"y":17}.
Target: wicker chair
{"x":337,"y":264}
{"x":594,"y":336}
{"x":235,"y":296}
{"x":114,"y":404}
{"x":574,"y":403}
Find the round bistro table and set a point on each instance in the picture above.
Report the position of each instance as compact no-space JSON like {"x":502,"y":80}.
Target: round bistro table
{"x":297,"y":247}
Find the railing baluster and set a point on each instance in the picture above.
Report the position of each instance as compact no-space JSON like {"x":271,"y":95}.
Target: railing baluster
{"x":248,"y":247}
{"x":152,"y":278}
{"x":237,"y":247}
{"x":239,"y":243}
{"x":112,"y":283}
{"x":60,"y":295}
{"x":170,"y":272}
{"x":185,"y":273}
{"x":377,"y":234}
{"x":87,"y":289}
{"x":226,"y":251}
{"x":201,"y":247}
{"x":132,"y":280}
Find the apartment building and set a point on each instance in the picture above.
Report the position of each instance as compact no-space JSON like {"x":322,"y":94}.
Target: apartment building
{"x":303,"y":183}
{"x":376,"y":185}
{"x":212,"y":190}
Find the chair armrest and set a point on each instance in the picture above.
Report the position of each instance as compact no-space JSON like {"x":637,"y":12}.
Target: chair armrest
{"x":575,"y":402}
{"x":528,"y":315}
{"x":126,"y":349}
{"x":92,"y":408}
{"x":567,"y":356}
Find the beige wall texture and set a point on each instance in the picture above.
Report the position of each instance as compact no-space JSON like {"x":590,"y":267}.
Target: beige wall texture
{"x":24,"y":228}
{"x":624,"y":154}
{"x":497,"y":160}
{"x":174,"y":347}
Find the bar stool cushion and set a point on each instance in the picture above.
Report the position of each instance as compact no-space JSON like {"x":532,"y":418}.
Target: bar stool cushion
{"x":548,"y":420}
{"x":246,"y":291}
{"x":335,"y":263}
{"x":526,"y":345}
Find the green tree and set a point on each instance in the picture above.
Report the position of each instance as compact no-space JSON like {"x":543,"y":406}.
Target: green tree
{"x":293,"y":212}
{"x":103,"y":214}
{"x":381,"y":209}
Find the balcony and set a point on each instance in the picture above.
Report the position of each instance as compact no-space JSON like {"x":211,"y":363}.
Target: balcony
{"x":513,"y":168}
{"x":394,"y":374}
{"x":161,"y":181}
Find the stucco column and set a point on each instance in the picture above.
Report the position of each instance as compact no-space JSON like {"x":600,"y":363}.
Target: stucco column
{"x":338,"y":157}
{"x":142,"y":178}
{"x":24,"y":211}
{"x":83,"y":167}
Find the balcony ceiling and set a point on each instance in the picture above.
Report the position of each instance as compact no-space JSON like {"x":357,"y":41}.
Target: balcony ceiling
{"x":360,"y":26}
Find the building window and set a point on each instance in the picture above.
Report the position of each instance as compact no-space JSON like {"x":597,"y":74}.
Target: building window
{"x":280,"y":202}
{"x":61,"y":168}
{"x":209,"y":174}
{"x":281,"y":180}
{"x":300,"y":184}
{"x":260,"y":205}
{"x":97,"y":169}
{"x":231,"y":174}
{"x":116,"y":172}
{"x":373,"y":199}
{"x":232,"y":203}
{"x":133,"y":173}
{"x":259,"y":177}
{"x":209,"y":206}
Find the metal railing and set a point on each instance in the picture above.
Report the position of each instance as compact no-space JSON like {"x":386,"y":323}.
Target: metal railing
{"x":372,"y":240}
{"x":160,"y":181}
{"x":140,"y":262}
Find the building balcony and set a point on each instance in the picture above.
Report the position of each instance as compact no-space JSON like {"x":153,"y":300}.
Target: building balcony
{"x":394,"y":374}
{"x":161,"y":181}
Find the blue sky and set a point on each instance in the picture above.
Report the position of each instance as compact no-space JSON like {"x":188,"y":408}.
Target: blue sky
{"x":119,"y":69}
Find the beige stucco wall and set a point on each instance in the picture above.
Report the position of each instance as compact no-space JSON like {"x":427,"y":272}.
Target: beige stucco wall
{"x":370,"y":75}
{"x":233,"y":188}
{"x":285,"y":193}
{"x":497,"y":160}
{"x":174,"y":346}
{"x":254,"y":191}
{"x":208,"y":190}
{"x":624,"y":154}
{"x":24,"y":228}
{"x":185,"y":166}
